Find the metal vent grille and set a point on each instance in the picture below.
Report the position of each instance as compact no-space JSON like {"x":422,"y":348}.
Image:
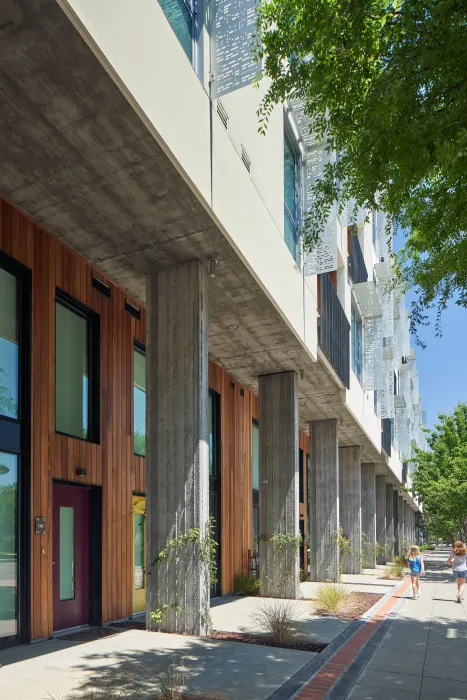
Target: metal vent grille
{"x":132,"y":310}
{"x":101,"y":286}
{"x":223,"y":116}
{"x":246,"y":160}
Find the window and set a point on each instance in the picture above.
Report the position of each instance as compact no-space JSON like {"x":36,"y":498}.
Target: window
{"x":255,"y":482}
{"x":76,"y":369}
{"x":356,"y":332}
{"x":9,"y":343}
{"x":292,"y":197}
{"x":181,"y":18}
{"x":139,"y":400}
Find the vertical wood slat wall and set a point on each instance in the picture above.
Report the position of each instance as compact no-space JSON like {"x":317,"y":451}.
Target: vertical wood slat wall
{"x":112,"y":463}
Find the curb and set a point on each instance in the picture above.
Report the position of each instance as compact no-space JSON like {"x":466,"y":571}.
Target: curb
{"x":310,"y":670}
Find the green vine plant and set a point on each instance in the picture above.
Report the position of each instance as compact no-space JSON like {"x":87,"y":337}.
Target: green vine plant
{"x":283,"y":544}
{"x":371,"y":552}
{"x":207,"y":545}
{"x":343,"y":544}
{"x":207,"y":548}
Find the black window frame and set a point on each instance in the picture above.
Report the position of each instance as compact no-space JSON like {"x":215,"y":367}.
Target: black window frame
{"x":301,"y":475}
{"x":94,"y":365}
{"x":141,"y":348}
{"x":254,"y":495}
{"x":15,"y":439}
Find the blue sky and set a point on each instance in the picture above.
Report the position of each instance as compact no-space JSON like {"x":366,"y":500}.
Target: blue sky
{"x":442,"y":365}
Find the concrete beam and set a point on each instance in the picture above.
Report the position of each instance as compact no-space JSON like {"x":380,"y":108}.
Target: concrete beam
{"x":278,"y":489}
{"x":350,"y":506}
{"x":177,"y":458}
{"x":369,"y":516}
{"x":380,"y":482}
{"x":389,"y":523}
{"x":324,"y":501}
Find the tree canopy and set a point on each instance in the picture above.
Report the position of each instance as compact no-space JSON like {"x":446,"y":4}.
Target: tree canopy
{"x":384,"y":83}
{"x":440,"y":477}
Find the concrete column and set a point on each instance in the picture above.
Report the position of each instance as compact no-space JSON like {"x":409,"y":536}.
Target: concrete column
{"x":368,"y":516}
{"x":389,"y":523}
{"x":402,"y":532}
{"x":177,"y":457}
{"x":350,"y":506}
{"x":397,"y":539}
{"x":380,"y":482}
{"x":324,"y":501}
{"x":278,"y":485}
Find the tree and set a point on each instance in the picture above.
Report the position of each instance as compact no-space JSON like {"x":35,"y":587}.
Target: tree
{"x":440,"y":477}
{"x":384,"y":83}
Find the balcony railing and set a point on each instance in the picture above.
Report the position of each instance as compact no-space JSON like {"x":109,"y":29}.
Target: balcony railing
{"x":386,"y":435}
{"x":357,"y":268}
{"x":334,"y":329}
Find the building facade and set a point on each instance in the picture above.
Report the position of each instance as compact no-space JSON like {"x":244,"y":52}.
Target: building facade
{"x":167,"y":351}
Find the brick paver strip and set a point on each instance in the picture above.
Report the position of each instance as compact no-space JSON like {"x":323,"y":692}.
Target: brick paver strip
{"x":327,"y":676}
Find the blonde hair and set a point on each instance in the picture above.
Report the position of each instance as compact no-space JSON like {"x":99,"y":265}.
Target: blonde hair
{"x":459,"y":548}
{"x":414,"y":552}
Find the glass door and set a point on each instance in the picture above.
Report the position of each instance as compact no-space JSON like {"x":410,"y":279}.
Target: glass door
{"x":14,"y":372}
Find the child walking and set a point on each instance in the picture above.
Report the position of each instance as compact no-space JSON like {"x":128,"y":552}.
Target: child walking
{"x":458,"y":559}
{"x":417,"y":569}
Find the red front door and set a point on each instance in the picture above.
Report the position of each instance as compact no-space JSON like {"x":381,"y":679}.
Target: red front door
{"x":71,"y":560}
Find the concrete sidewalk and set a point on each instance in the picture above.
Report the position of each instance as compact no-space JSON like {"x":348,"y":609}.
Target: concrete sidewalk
{"x":423,"y":654}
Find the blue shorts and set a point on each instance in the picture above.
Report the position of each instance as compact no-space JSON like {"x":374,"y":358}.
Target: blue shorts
{"x":459,"y":574}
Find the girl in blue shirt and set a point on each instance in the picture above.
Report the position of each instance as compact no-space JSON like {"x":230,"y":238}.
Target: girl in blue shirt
{"x":417,"y":569}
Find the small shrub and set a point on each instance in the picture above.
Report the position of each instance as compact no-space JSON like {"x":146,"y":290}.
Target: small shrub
{"x":277,"y":620}
{"x":400,"y":560}
{"x":303,"y":576}
{"x":330,"y":596}
{"x":246,"y":585}
{"x":394,"y":571}
{"x":171,"y":681}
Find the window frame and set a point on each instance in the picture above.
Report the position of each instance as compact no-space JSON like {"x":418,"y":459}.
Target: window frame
{"x":140,"y":347}
{"x":294,"y":148}
{"x":94,"y":364}
{"x":15,"y":439}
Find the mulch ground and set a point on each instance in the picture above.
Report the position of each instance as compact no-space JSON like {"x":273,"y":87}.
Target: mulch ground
{"x":356,"y":604}
{"x":297,"y":645}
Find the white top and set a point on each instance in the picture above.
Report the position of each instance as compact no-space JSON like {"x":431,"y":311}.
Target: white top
{"x":459,"y":563}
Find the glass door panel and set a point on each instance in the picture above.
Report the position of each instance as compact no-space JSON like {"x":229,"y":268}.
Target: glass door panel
{"x":67,"y":553}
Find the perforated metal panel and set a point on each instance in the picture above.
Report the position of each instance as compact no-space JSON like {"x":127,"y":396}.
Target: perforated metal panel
{"x":323,"y":257}
{"x":366,"y":296}
{"x":372,"y":352}
{"x":233,"y":45}
{"x":352,"y":214}
{"x":302,"y":122}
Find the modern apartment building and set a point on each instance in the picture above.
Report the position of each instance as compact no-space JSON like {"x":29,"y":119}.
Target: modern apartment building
{"x":167,"y":352}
